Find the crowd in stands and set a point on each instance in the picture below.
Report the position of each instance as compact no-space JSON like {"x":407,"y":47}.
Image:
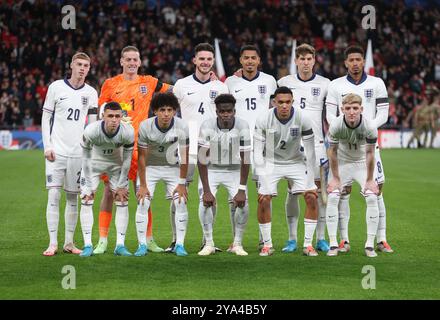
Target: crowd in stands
{"x":35,"y":50}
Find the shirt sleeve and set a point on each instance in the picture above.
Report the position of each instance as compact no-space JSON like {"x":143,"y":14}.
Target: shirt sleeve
{"x":86,"y":142}
{"x":245,"y":138}
{"x":143,"y":140}
{"x":129,"y":139}
{"x":331,"y":103}
{"x":333,"y":137}
{"x":49,"y":102}
{"x":184,"y":136}
{"x":306,"y":128}
{"x":204,"y":135}
{"x":177,"y":92}
{"x":93,"y":103}
{"x":371,"y":137}
{"x":260,"y":129}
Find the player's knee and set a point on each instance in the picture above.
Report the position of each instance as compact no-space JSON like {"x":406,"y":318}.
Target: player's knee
{"x":380,"y":188}
{"x":85,"y":202}
{"x":311,"y":198}
{"x":54,"y":194}
{"x":371,"y":199}
{"x":333,"y":198}
{"x":264,"y":199}
{"x":120,"y":203}
{"x":107,"y":194}
{"x":179,"y":204}
{"x":71,"y":197}
{"x":346,"y":190}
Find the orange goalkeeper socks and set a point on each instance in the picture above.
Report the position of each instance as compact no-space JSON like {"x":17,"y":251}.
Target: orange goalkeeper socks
{"x":105,"y":218}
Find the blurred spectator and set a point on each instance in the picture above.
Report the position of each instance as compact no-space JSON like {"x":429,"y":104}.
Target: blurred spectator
{"x":28,"y":120}
{"x":34,"y":52}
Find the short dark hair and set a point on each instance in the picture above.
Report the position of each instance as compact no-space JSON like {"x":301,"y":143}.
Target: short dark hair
{"x":353,"y":49}
{"x":282,"y":90}
{"x":164,"y":99}
{"x":250,"y":47}
{"x":204,"y":46}
{"x":225,"y":98}
{"x":113,"y":105}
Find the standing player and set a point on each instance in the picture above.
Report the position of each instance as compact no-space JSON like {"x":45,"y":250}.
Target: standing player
{"x":102,"y":154}
{"x":161,"y":139}
{"x":252,"y":91}
{"x":309,"y":91}
{"x":355,"y":136}
{"x":375,"y":108}
{"x":225,"y":143}
{"x":196,"y":94}
{"x":278,"y":155}
{"x":133,"y":92}
{"x":67,"y":104}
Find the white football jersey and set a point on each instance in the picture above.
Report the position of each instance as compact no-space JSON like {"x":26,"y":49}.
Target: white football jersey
{"x":69,"y":108}
{"x":105,"y":147}
{"x":163,"y":146}
{"x":252,"y":95}
{"x":225,"y":145}
{"x":372,"y":90}
{"x":352,"y":141}
{"x":196,"y":101}
{"x":283,"y":138}
{"x":310,"y":97}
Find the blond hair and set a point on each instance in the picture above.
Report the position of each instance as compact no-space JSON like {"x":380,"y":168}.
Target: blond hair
{"x":80,"y":55}
{"x":304,"y":49}
{"x":352,"y":98}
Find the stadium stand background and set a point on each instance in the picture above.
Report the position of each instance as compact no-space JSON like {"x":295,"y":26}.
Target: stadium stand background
{"x":35,"y":50}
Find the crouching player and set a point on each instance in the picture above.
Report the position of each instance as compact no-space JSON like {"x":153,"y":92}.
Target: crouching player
{"x":278,"y":155}
{"x":161,"y":140}
{"x":226,"y":140}
{"x":355,"y":137}
{"x":102,"y":144}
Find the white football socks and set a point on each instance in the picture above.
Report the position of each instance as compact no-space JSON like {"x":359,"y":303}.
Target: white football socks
{"x":320,"y":227}
{"x":121,"y":222}
{"x":241,"y":219}
{"x":53,"y":214}
{"x":142,"y":220}
{"x":344,"y":216}
{"x":206,"y":218}
{"x":332,"y":217}
{"x":70,"y":216}
{"x":372,"y":217}
{"x":86,"y":220}
{"x":265,"y":229}
{"x":292,"y":214}
{"x":309,"y":231}
{"x":381,"y":230}
{"x":181,"y":220}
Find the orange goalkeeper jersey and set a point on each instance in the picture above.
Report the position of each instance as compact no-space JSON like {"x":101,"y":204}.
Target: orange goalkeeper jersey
{"x":134,"y":96}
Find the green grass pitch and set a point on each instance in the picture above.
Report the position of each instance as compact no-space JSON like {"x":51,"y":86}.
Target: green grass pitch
{"x":412,"y":272}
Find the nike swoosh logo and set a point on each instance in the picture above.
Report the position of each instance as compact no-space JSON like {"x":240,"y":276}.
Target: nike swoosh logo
{"x":238,"y":90}
{"x":118,"y":92}
{"x":63,"y":98}
{"x":344,"y":94}
{"x":190,"y":93}
{"x":331,"y":216}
